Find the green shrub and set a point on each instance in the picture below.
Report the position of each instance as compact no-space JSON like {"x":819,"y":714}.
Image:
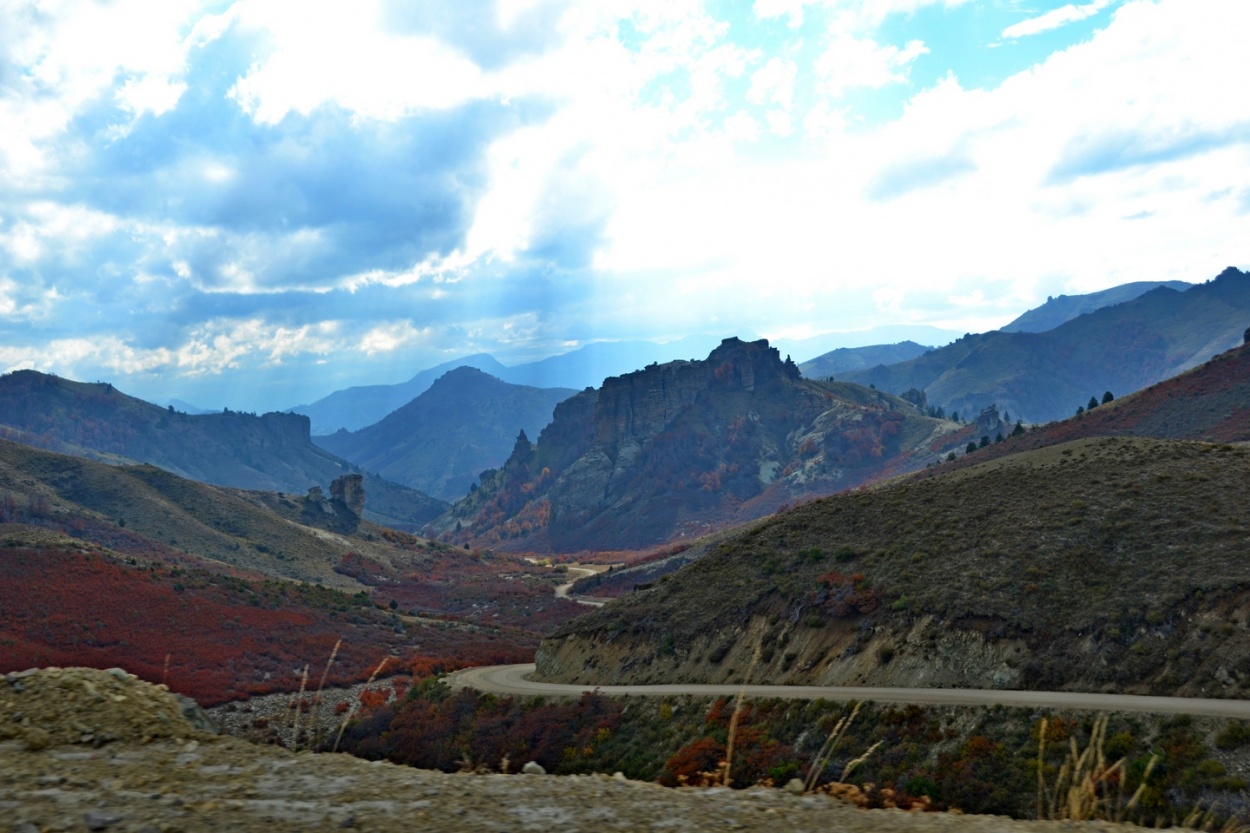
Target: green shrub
{"x":1233,"y":736}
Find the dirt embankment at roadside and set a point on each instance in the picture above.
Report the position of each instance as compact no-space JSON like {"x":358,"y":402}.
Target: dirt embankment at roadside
{"x":100,"y":750}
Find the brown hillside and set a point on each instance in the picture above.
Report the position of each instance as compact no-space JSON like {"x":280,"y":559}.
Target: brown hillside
{"x":1103,"y":563}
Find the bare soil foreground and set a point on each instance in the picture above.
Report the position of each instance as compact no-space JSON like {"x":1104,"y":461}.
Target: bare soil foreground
{"x":100,"y":750}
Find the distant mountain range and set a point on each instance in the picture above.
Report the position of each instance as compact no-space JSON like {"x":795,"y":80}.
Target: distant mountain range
{"x":846,"y":359}
{"x":358,"y":407}
{"x":1045,"y":376}
{"x":272,"y":452}
{"x":1063,"y":308}
{"x":443,"y":439}
{"x":674,"y":450}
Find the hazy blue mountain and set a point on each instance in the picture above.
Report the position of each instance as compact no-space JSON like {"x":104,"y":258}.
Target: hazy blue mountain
{"x":1041,"y":377}
{"x":846,"y":359}
{"x":1063,"y":308}
{"x":806,"y":349}
{"x":188,"y":408}
{"x":442,"y":440}
{"x":355,"y":407}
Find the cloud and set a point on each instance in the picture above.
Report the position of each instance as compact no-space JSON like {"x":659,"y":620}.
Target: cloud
{"x":850,"y":62}
{"x":1055,"y":18}
{"x":912,"y":174}
{"x":190,"y":207}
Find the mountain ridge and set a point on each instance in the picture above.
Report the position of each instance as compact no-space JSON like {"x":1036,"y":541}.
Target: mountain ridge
{"x":674,"y":450}
{"x":273,"y":451}
{"x":443,"y":439}
{"x":1041,"y":377}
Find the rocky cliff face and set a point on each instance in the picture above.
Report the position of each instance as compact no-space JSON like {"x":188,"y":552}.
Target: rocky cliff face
{"x":674,"y":450}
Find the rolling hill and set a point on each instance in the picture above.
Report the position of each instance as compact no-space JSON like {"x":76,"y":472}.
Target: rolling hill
{"x":271,"y":452}
{"x":442,"y":440}
{"x":674,"y":450}
{"x":1041,"y":377}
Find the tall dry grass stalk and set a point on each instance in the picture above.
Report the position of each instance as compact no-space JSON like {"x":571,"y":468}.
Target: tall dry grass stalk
{"x":727,"y":765}
{"x":826,"y":749}
{"x":1082,"y":786}
{"x":299,"y":704}
{"x":356,"y":703}
{"x":314,"y":721}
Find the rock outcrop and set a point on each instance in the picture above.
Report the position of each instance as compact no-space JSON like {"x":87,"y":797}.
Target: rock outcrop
{"x":674,"y":450}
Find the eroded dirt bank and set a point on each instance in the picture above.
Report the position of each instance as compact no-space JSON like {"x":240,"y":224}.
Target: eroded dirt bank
{"x":99,"y":750}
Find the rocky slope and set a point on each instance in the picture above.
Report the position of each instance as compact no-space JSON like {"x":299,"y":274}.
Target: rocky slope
{"x":1109,"y":563}
{"x":273,"y":452}
{"x":1039,"y":377}
{"x":124,"y":756}
{"x":442,"y":440}
{"x":675,"y":450}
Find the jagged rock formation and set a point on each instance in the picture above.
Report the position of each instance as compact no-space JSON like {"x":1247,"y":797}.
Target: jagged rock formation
{"x":349,"y":491}
{"x":674,"y":450}
{"x":344,"y":508}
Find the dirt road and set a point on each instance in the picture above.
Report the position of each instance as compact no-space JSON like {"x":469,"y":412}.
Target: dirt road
{"x":562,"y":592}
{"x":513,"y":679}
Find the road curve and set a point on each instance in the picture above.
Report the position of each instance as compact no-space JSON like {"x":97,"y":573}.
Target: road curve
{"x":514,"y":679}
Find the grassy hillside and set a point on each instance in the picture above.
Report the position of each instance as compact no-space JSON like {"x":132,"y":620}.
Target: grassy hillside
{"x":1099,"y":563}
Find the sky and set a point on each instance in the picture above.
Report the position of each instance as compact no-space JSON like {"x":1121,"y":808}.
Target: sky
{"x":255,"y":203}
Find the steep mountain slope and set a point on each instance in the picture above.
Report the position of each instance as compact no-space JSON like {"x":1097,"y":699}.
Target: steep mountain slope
{"x":1105,"y":563}
{"x":356,"y":407}
{"x":1063,"y":308}
{"x":439,"y":442}
{"x":1044,"y":376}
{"x":272,"y":452}
{"x":845,"y":359}
{"x":677,"y":449}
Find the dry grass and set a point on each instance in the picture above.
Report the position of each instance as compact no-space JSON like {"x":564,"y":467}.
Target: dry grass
{"x":351,"y":712}
{"x":1086,"y":786}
